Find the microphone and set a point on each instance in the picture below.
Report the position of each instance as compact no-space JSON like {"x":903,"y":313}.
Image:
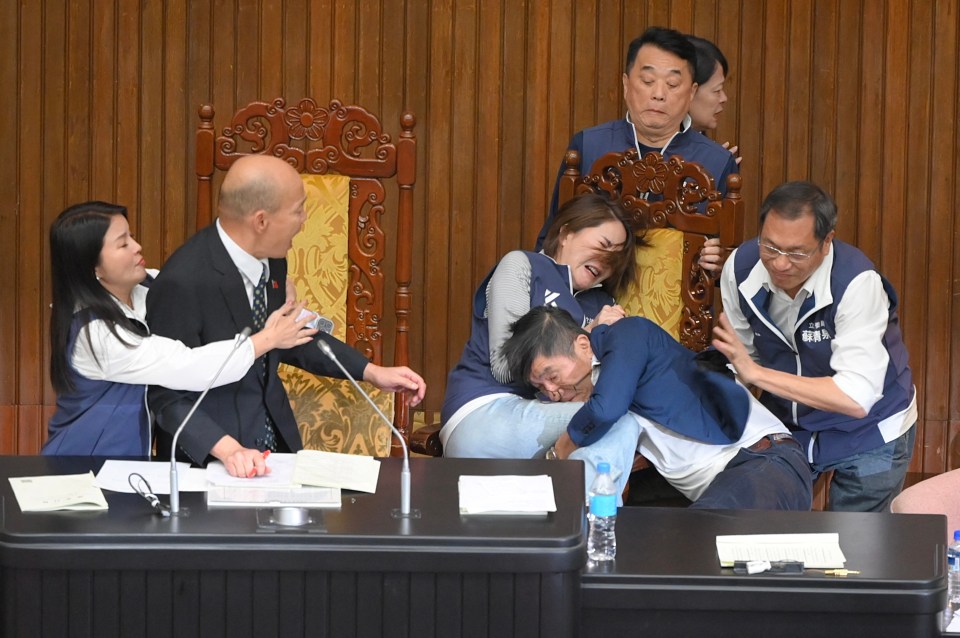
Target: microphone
{"x":174,"y":477}
{"x":404,"y":511}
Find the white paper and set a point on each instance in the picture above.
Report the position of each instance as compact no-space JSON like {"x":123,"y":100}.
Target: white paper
{"x":273,"y":497}
{"x":330,"y":469}
{"x":954,"y":626}
{"x":506,"y":494}
{"x":280,"y":475}
{"x":61,"y":492}
{"x":114,"y":476}
{"x":817,"y":551}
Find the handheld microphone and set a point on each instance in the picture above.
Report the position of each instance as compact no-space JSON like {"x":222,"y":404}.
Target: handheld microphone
{"x":174,"y":478}
{"x":404,"y":511}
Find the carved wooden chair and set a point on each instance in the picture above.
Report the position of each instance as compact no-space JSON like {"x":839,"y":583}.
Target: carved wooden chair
{"x":338,"y":261}
{"x":679,"y":205}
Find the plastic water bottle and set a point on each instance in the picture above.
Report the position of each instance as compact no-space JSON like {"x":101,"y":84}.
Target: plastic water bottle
{"x":953,"y":578}
{"x":602,"y":540}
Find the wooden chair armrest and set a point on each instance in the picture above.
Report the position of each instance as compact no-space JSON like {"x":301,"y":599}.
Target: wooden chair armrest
{"x":426,"y":440}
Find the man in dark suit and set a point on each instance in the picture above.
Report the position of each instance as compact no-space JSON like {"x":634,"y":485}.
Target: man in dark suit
{"x":209,"y":290}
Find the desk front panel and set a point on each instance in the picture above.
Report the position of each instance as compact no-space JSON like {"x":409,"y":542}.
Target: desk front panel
{"x":358,"y":572}
{"x":667,"y":579}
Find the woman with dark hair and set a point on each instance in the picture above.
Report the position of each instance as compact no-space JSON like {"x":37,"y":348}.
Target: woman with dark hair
{"x":588,"y":258}
{"x":102,"y":355}
{"x":708,"y":101}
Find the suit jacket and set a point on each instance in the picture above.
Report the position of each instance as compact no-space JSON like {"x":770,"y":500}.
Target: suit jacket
{"x":199,"y":297}
{"x":644,"y":370}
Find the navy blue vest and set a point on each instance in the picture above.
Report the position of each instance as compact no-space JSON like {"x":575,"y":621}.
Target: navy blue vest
{"x":838,"y":435}
{"x":98,"y":418}
{"x":549,"y":285}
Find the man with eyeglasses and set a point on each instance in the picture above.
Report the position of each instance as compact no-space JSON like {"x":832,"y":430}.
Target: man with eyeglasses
{"x":704,"y":432}
{"x":810,"y":322}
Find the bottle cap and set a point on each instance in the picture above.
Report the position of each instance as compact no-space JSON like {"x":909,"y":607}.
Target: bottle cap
{"x":604,"y":468}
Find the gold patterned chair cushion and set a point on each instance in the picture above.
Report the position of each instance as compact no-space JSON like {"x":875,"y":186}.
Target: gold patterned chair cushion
{"x":330,"y":412}
{"x":656,"y":293}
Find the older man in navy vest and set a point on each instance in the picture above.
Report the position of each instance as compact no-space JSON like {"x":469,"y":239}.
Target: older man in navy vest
{"x":810,"y":322}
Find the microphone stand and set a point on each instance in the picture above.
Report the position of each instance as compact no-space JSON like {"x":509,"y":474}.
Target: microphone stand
{"x":404,"y":511}
{"x":174,"y":477}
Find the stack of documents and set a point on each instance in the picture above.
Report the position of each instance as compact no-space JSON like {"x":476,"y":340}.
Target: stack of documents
{"x":816,"y":551}
{"x":277,"y":488}
{"x":523,"y":495}
{"x":64,"y":492}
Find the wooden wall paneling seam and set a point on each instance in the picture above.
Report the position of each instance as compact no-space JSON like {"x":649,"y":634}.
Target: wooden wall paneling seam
{"x":511,"y":73}
{"x":939,"y":373}
{"x":270,"y":68}
{"x":586,"y":78}
{"x":798,"y":94}
{"x":870,"y":183}
{"x":246,"y":62}
{"x":293,"y":57}
{"x":824,"y":63}
{"x":147,"y":220}
{"x":846,"y":161}
{"x":11,"y":211}
{"x":414,"y":82}
{"x":750,"y":100}
{"x":319,"y":50}
{"x":53,"y":175}
{"x":175,"y":137}
{"x":899,"y":148}
{"x":77,"y":102}
{"x":487,"y":136}
{"x":103,"y":97}
{"x":776,"y":112}
{"x":437,"y":142}
{"x":917,"y":189}
{"x":462,"y":167}
{"x":389,"y":99}
{"x":345,"y":53}
{"x":537,"y":105}
{"x":560,"y":87}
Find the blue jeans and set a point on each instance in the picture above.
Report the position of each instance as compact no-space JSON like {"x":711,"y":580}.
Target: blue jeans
{"x":868,"y":481}
{"x":516,"y":428}
{"x":777,"y":478}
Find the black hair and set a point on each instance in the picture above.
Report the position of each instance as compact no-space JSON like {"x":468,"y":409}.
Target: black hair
{"x":708,"y":57}
{"x":76,"y":240}
{"x":669,"y":40}
{"x":792,"y":200}
{"x":545,"y":331}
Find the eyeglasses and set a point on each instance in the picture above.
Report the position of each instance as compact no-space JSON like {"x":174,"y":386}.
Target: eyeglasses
{"x":769,"y":252}
{"x":548,"y":396}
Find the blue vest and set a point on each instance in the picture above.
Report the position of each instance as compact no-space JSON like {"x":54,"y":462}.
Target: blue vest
{"x":549,"y":285}
{"x":98,"y":418}
{"x":617,"y":136}
{"x":838,"y":435}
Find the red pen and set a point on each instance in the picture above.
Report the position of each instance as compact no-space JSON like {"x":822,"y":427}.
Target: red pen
{"x":253,"y":472}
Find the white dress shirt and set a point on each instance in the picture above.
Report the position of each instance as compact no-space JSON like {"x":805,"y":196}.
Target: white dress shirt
{"x":154,"y":360}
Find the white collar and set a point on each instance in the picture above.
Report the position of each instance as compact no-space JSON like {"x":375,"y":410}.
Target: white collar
{"x":248,"y":265}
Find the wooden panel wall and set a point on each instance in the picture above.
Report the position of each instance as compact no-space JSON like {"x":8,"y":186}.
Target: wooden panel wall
{"x":858,"y":95}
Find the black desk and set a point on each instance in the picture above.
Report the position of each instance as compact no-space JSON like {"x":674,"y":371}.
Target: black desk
{"x":667,"y":580}
{"x":127,"y":572}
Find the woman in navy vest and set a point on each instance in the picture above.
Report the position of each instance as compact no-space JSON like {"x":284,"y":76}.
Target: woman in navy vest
{"x":587,"y":259}
{"x":102,"y":355}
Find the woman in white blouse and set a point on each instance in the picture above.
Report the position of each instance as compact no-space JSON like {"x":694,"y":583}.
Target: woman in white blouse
{"x":102,"y":355}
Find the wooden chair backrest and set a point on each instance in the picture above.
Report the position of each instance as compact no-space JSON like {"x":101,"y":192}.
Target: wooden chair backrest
{"x":345,"y":140}
{"x":669,"y":193}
